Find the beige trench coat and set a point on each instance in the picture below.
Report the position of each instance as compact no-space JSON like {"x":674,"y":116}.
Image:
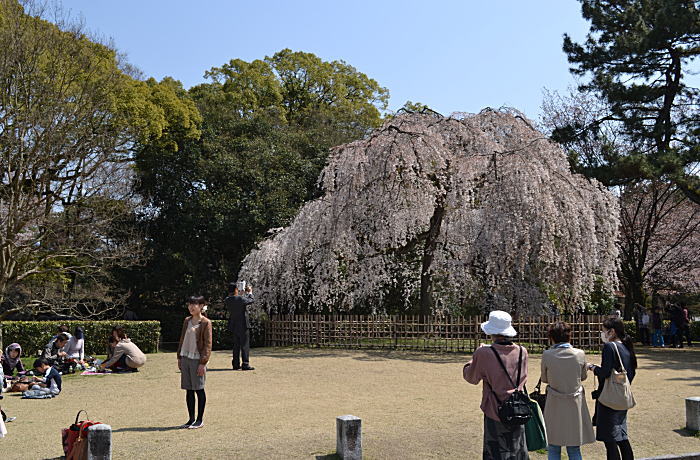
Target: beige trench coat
{"x":566,"y":413}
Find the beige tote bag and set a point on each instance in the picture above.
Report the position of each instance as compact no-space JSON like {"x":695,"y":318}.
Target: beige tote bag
{"x":617,"y":392}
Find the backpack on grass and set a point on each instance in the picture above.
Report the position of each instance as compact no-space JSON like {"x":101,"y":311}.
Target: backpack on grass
{"x":516,"y":409}
{"x":74,"y":437}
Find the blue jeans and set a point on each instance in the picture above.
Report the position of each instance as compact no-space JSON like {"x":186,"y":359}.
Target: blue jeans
{"x":657,"y":340}
{"x":554,"y":452}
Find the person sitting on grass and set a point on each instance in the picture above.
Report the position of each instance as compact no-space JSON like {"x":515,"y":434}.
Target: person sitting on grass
{"x":11,"y":361}
{"x":49,"y":384}
{"x":53,"y":351}
{"x":127,"y":356}
{"x":75,"y":348}
{"x":111,"y":345}
{"x":62,"y":329}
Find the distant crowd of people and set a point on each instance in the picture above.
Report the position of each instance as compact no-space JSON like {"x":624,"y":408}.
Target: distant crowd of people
{"x":651,"y":329}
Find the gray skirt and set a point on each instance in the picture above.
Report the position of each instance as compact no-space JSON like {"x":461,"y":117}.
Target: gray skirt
{"x":504,"y":443}
{"x":189,"y":380}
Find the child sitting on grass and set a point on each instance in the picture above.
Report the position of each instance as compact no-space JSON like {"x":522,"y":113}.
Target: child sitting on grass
{"x":49,"y":385}
{"x":11,"y":361}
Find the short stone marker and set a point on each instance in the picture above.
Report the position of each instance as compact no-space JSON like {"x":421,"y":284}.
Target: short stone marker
{"x":348,"y":443}
{"x":99,"y":440}
{"x":692,"y":413}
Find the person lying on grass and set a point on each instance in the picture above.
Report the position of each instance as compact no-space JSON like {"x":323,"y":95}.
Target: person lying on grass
{"x":127,"y":356}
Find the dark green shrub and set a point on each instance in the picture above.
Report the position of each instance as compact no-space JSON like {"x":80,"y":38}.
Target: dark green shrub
{"x":222,"y":339}
{"x":631,"y":330}
{"x":34,"y":335}
{"x":695,"y":330}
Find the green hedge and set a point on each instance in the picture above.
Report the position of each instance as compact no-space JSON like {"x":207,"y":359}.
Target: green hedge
{"x":171,"y":326}
{"x":34,"y":335}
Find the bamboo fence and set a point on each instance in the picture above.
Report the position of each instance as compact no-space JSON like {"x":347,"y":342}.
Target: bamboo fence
{"x":420,"y":333}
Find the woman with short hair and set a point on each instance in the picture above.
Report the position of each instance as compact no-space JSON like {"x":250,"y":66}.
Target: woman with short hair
{"x":566,"y":415}
{"x":193,"y":353}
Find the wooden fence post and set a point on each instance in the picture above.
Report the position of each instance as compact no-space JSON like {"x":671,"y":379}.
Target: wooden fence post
{"x":318,"y":331}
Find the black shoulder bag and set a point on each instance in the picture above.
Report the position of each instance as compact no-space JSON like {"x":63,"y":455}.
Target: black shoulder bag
{"x":516,"y":409}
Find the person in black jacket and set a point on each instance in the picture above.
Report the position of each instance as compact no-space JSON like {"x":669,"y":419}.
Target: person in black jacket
{"x":239,"y":325}
{"x":611,"y":424}
{"x":678,"y":325}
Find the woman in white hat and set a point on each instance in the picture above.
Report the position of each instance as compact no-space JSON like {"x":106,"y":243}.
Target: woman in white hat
{"x":500,"y":441}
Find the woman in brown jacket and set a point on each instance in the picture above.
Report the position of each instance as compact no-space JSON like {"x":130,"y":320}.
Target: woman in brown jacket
{"x":193,"y":353}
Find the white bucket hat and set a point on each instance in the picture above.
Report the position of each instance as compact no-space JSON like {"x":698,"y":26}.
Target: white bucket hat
{"x":499,"y":324}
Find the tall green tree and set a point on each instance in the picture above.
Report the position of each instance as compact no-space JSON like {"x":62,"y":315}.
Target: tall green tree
{"x":637,"y":57}
{"x":267,"y":129}
{"x":71,"y":112}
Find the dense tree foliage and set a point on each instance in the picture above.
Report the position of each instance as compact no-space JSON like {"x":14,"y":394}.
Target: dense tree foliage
{"x":658,"y":223}
{"x":267,"y":126}
{"x":638,"y":55}
{"x":70,"y":113}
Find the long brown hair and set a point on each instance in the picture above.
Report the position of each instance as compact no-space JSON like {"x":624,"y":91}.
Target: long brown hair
{"x":618,"y":326}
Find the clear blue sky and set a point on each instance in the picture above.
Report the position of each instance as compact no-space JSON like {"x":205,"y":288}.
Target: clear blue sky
{"x":459,"y":55}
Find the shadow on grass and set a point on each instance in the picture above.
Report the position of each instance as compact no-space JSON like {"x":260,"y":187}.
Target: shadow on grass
{"x":695,"y":380}
{"x":328,"y":457}
{"x":362,"y":354}
{"x":676,"y":359}
{"x":687,"y":433}
{"x":146,"y":429}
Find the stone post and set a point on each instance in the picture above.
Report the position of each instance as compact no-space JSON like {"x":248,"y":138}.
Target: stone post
{"x":348,"y":443}
{"x":692,"y":413}
{"x":99,"y":440}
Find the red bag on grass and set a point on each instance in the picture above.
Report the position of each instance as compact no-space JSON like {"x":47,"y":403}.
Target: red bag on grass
{"x":76,"y":432}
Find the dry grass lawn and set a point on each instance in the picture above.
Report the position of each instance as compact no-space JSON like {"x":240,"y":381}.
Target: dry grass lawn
{"x":413,"y":406}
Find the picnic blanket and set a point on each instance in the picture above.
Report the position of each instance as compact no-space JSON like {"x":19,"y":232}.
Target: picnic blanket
{"x":35,"y":394}
{"x":94,"y":373}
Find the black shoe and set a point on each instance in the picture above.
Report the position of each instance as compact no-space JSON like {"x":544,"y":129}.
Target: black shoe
{"x":248,"y":368}
{"x":186,"y":425}
{"x":236,"y":368}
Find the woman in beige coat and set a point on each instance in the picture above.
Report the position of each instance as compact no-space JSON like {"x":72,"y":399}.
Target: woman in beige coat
{"x":566,"y":413}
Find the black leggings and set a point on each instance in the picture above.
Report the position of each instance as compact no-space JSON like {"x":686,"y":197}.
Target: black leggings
{"x":202,"y":401}
{"x":620,"y":450}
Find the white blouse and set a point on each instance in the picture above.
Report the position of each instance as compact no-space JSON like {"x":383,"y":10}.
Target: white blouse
{"x":189,"y":343}
{"x":75,"y":348}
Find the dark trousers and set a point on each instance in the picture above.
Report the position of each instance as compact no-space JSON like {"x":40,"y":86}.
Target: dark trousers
{"x":685,"y":333}
{"x":644,"y":336}
{"x":120,"y":365}
{"x":241,"y":348}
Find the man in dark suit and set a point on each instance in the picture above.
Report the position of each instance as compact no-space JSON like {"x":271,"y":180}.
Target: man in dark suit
{"x":239,"y":325}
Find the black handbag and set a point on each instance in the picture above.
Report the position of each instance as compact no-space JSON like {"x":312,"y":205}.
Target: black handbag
{"x":536,"y":395}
